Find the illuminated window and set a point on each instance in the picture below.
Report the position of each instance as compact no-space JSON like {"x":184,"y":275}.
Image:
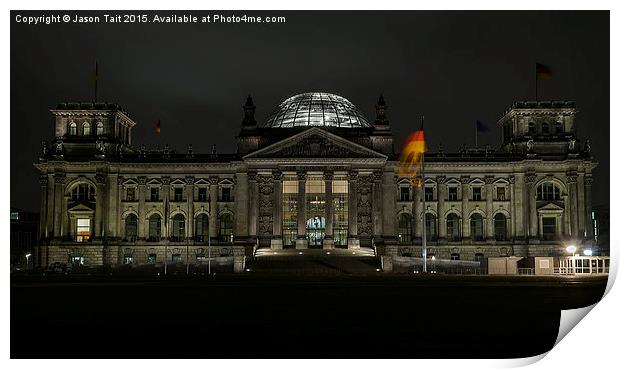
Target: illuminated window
{"x":340,"y":194}
{"x":128,"y":259}
{"x":455,"y":256}
{"x":176,"y":258}
{"x":151,"y":258}
{"x":86,"y":129}
{"x":83,"y":230}
{"x":226,"y":228}
{"x":83,"y":192}
{"x":289,"y":212}
{"x":99,"y":129}
{"x":72,"y":129}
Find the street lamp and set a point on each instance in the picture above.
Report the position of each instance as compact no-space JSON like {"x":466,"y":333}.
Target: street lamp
{"x":571,"y":249}
{"x":28,"y":255}
{"x":587,"y":252}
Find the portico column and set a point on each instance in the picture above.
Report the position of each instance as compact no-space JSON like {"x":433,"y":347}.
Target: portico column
{"x":328,"y":240}
{"x":142,"y":221}
{"x":301,"y":242}
{"x":253,"y":202}
{"x":530,"y":180}
{"x":581,"y":208}
{"x":571,"y":178}
{"x":189,"y":188}
{"x":59,"y":189}
{"x":100,"y":204}
{"x":353,"y":241}
{"x":276,"y":240}
{"x":441,"y":195}
{"x":112,"y":196}
{"x":389,"y":209}
{"x":588,"y":206}
{"x":43,"y":207}
{"x":489,"y":207}
{"x":213,"y":208}
{"x":513,"y":217}
{"x":65,"y":230}
{"x":165,"y":189}
{"x":241,"y":209}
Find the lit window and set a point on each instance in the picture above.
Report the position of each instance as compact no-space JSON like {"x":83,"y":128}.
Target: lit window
{"x":72,"y":129}
{"x":83,"y":229}
{"x":128,"y":259}
{"x":86,"y":129}
{"x":151,"y":259}
{"x":455,"y":256}
{"x":405,"y":228}
{"x":176,"y":258}
{"x":99,"y":129}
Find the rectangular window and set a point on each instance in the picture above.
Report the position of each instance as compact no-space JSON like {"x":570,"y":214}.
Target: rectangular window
{"x":289,"y":212}
{"x":428,"y":194}
{"x":131,"y":194}
{"x":83,"y":229}
{"x":128,"y":260}
{"x":151,"y":258}
{"x":226,"y":194}
{"x":452,"y":194}
{"x":501,"y":193}
{"x":476,"y":193}
{"x":178,"y":194}
{"x":176,"y":258}
{"x":202,"y":194}
{"x":154,"y":193}
{"x":455,"y":256}
{"x":548,"y":228}
{"x":404,"y":194}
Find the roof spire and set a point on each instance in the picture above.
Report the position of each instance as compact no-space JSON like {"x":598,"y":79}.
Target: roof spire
{"x":248,"y":112}
{"x":380,"y":109}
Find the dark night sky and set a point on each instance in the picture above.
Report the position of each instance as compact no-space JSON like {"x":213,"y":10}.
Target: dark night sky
{"x":453,"y":67}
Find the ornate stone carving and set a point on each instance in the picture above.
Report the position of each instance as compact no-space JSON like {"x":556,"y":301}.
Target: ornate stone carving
{"x":377,"y":176}
{"x":100,"y":147}
{"x":511,"y":179}
{"x":465,"y":179}
{"x":59,"y":149}
{"x":489,"y":180}
{"x":189,"y":180}
{"x":364,"y":205}
{"x":165,"y":180}
{"x":120,"y":180}
{"x":60,"y":178}
{"x":588,"y":181}
{"x":301,"y":176}
{"x":100,"y":178}
{"x":251,"y":176}
{"x":43,"y":149}
{"x":265,"y":205}
{"x":352,"y":176}
{"x":571,"y":177}
{"x":441,"y":179}
{"x":530,"y":146}
{"x":328,"y":175}
{"x":213,"y":180}
{"x":530,"y":177}
{"x":142,"y":180}
{"x":277,"y":175}
{"x":43,"y":180}
{"x":317,"y":146}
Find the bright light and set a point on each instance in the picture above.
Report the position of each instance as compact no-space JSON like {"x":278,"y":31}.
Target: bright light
{"x":353,"y":252}
{"x":301,"y":253}
{"x":571,"y":249}
{"x":28,"y":255}
{"x":378,"y":270}
{"x":247,"y":270}
{"x":587,"y":252}
{"x":433,"y":257}
{"x":328,"y":253}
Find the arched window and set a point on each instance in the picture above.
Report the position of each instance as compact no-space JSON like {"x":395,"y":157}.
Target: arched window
{"x":405,"y":228}
{"x":99,"y":129}
{"x":72,"y":129}
{"x":83,"y":192}
{"x":86,"y":129}
{"x":431,"y":227}
{"x":453,"y":226}
{"x":201,"y":228}
{"x":131,"y":227}
{"x":154,"y":228}
{"x":545,"y":128}
{"x":559,"y":127}
{"x":476,"y":226}
{"x":500,"y":228}
{"x":226,"y":228}
{"x":548,"y":191}
{"x":531,"y":128}
{"x":178,"y":228}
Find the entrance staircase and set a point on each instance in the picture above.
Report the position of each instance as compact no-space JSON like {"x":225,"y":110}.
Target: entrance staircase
{"x":314,"y":262}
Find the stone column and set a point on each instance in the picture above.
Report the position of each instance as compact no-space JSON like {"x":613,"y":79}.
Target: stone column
{"x":276,"y":240}
{"x":65,"y":229}
{"x":512,"y":233}
{"x":301,"y":242}
{"x":353,"y":241}
{"x":59,"y":198}
{"x":489,"y":207}
{"x":377,"y":206}
{"x":142,"y":221}
{"x":165,"y":189}
{"x":100,"y":205}
{"x":241,"y":209}
{"x":43,"y":208}
{"x":389,"y":209}
{"x":566,"y":215}
{"x":465,"y":205}
{"x":441,"y":207}
{"x":213,"y":208}
{"x":116,"y":228}
{"x":581,"y":208}
{"x":530,"y":180}
{"x":519,"y":211}
{"x":328,"y":240}
{"x":189,"y":190}
{"x":49,"y":221}
{"x":588,"y":205}
{"x":571,"y":178}
{"x":253,"y":205}
{"x":112,"y":197}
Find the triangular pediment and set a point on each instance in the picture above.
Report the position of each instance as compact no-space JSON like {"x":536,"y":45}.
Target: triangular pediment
{"x":80,"y":208}
{"x":551,"y":207}
{"x":315,"y":143}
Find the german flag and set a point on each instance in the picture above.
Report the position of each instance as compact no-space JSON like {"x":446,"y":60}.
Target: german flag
{"x":411,"y":156}
{"x":543,"y":72}
{"x":158,"y":127}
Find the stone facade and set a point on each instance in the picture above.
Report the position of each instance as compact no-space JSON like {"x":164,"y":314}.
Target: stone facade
{"x":106,"y":202}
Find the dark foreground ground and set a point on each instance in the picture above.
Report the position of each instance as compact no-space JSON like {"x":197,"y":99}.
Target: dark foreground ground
{"x":249,"y":316}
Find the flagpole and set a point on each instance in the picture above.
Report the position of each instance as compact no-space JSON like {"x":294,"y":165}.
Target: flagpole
{"x":423,"y":206}
{"x":536,"y":80}
{"x":476,"y":127}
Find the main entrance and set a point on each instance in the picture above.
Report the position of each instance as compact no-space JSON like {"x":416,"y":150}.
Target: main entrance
{"x":315,"y":210}
{"x":315,"y":231}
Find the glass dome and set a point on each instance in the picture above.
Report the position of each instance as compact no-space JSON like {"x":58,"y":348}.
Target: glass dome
{"x":317,"y":109}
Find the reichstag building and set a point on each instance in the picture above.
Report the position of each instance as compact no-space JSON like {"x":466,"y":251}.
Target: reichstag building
{"x":316,"y":174}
